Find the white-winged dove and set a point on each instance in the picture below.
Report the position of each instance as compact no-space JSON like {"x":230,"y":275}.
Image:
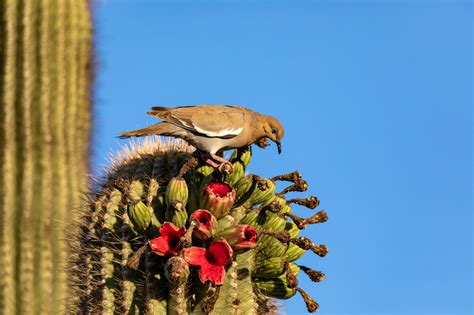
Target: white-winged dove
{"x":213,"y":128}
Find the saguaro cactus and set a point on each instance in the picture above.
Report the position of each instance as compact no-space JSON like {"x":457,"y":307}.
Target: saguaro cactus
{"x":45,"y":116}
{"x":163,"y":233}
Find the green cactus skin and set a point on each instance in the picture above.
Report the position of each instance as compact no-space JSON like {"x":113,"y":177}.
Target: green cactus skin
{"x":116,"y":272}
{"x":45,"y":79}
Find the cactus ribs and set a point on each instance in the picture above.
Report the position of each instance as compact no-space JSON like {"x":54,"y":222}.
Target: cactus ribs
{"x":158,"y":239}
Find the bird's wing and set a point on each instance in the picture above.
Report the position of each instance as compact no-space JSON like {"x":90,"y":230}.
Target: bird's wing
{"x":211,"y":121}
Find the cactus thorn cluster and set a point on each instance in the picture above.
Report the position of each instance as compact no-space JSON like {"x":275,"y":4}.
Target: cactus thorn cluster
{"x":164,"y":233}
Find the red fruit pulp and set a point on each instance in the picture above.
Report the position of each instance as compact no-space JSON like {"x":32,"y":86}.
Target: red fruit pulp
{"x":220,"y":189}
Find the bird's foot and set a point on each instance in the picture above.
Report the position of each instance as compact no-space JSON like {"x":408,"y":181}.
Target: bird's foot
{"x":209,"y":158}
{"x":226,"y":168}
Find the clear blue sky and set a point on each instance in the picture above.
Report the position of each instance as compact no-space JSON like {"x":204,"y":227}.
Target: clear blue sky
{"x":376,"y":100}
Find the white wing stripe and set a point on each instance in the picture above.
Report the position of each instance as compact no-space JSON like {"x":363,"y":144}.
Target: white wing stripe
{"x":221,"y":133}
{"x":183,"y":122}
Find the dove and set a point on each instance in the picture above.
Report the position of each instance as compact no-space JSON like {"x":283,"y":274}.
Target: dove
{"x":212,"y":129}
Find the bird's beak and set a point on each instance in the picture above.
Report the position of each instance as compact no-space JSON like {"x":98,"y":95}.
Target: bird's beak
{"x":278,"y":143}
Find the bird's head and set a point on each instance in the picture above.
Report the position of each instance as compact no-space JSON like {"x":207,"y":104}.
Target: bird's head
{"x":273,"y":130}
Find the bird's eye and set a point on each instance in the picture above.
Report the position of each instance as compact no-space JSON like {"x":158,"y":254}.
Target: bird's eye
{"x":274,"y":130}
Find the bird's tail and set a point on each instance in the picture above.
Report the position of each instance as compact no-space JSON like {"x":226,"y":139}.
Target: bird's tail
{"x":156,"y":110}
{"x":161,"y":128}
{"x":160,"y":111}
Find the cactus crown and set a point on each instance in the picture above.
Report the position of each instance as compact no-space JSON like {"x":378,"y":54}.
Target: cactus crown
{"x":166,"y":234}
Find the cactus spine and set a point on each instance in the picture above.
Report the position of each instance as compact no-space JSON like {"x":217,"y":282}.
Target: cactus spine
{"x":179,"y":259}
{"x":45,"y":116}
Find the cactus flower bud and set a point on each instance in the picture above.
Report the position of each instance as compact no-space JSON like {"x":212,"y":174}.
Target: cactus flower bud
{"x":226,"y":222}
{"x":280,"y":201}
{"x":272,"y":221}
{"x":176,"y":214}
{"x":270,"y":267}
{"x":240,"y":237}
{"x":282,"y":286}
{"x":177,"y":270}
{"x":238,"y":173}
{"x":243,"y":185}
{"x":251,"y":218}
{"x":218,"y":198}
{"x":243,"y":154}
{"x":207,"y":224}
{"x":276,"y":288}
{"x":294,"y":252}
{"x":211,"y":261}
{"x":271,"y":246}
{"x":139,"y":216}
{"x":204,"y":169}
{"x":168,"y":243}
{"x":265,"y":189}
{"x":177,"y":191}
{"x":292,"y":229}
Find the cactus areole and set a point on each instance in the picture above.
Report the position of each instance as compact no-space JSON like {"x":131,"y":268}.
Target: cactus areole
{"x":206,"y":242}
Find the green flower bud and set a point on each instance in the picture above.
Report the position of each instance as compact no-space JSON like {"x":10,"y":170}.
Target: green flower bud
{"x":265,"y":189}
{"x":295,"y":269}
{"x":238,"y":213}
{"x":251,"y":218}
{"x":292,"y":229}
{"x":243,"y":155}
{"x":176,"y":191}
{"x":279,"y":287}
{"x":246,"y":156}
{"x":275,"y":198}
{"x":177,"y":214}
{"x":243,"y":185}
{"x":140,"y":217}
{"x":176,"y":270}
{"x":204,"y":170}
{"x":293,"y":252}
{"x":269,"y":267}
{"x":269,"y":246}
{"x":237,"y":174}
{"x":276,"y":288}
{"x":273,"y":221}
{"x":284,"y":207}
{"x":225,"y":222}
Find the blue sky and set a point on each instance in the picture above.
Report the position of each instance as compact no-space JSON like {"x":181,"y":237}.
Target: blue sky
{"x":376,"y":100}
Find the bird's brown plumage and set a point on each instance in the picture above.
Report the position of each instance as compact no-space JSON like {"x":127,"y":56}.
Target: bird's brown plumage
{"x":212,"y":128}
